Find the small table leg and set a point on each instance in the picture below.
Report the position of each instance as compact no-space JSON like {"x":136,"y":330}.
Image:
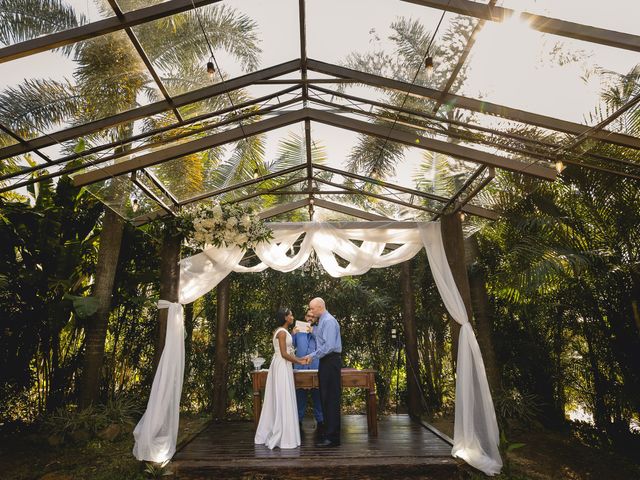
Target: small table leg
{"x":257,"y":407}
{"x":372,"y":413}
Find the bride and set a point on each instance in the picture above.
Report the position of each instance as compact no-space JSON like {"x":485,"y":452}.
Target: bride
{"x":278,"y":426}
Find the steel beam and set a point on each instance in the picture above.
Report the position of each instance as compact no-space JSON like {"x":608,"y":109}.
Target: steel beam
{"x":541,"y":23}
{"x":235,"y":134}
{"x":145,"y":59}
{"x":431,"y":144}
{"x":150,"y":133}
{"x":284,"y":208}
{"x":101,"y":27}
{"x":354,"y":212}
{"x":151,"y":109}
{"x":471,"y":209}
{"x":473,"y":104}
{"x":246,"y":183}
{"x":194,"y":146}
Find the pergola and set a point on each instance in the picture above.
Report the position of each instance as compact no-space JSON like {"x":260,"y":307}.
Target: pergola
{"x":481,"y":136}
{"x":139,"y":161}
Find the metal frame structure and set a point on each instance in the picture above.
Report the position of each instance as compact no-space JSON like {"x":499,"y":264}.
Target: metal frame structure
{"x":386,"y":121}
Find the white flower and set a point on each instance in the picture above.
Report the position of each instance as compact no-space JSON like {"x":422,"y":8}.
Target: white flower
{"x":217,"y":212}
{"x":246,"y":221}
{"x":242,"y":238}
{"x":232,"y":222}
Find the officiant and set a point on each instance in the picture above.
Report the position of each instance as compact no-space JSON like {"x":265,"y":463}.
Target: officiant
{"x":304,"y":344}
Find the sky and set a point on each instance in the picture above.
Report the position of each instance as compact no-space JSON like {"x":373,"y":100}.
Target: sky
{"x":510,"y":63}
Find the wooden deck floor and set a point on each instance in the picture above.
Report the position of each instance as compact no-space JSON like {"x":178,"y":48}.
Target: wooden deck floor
{"x":403,"y":449}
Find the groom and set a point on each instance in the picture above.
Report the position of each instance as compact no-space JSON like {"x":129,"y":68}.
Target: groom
{"x":329,"y":348}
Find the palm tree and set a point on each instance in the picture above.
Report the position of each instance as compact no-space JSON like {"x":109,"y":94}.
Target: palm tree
{"x":568,"y":252}
{"x":110,"y":78}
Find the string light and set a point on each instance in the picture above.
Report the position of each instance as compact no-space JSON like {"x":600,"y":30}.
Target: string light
{"x":135,"y":205}
{"x":211,"y":70}
{"x":560,"y":166}
{"x":256,"y":174}
{"x":428,"y":65}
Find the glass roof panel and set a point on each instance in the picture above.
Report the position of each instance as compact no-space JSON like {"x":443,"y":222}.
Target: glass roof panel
{"x":389,"y":40}
{"x":51,"y":17}
{"x":410,"y":167}
{"x":131,"y":5}
{"x":123,"y":197}
{"x":48,"y":91}
{"x":242,"y":34}
{"x":518,"y":67}
{"x":618,"y":15}
{"x":216,"y":169}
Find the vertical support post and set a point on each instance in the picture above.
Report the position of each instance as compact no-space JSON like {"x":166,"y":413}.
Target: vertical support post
{"x":222,"y":350}
{"x":257,"y":399}
{"x":410,"y":340}
{"x":451,"y":225}
{"x":169,"y":285}
{"x":483,"y":316}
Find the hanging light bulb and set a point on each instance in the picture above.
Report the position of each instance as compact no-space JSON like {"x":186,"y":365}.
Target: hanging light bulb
{"x":256,"y":174}
{"x":210,"y":69}
{"x":462,"y":216}
{"x":428,"y":65}
{"x":135,"y":205}
{"x":560,"y":166}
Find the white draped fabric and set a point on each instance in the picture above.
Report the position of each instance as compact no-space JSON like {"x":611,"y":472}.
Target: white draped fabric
{"x":476,"y":430}
{"x":476,"y":436}
{"x":157,"y":431}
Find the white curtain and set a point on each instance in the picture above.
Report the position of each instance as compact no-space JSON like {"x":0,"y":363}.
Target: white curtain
{"x":157,"y":431}
{"x":476,"y":436}
{"x":476,"y":431}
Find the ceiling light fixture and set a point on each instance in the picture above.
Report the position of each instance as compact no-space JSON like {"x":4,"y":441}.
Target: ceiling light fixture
{"x":428,"y":65}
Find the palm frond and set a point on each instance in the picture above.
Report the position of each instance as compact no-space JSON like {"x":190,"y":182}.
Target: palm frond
{"x":35,"y":106}
{"x":22,"y":20}
{"x":178,"y":40}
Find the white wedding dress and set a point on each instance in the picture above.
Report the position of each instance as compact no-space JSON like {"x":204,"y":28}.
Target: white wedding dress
{"x":278,"y":426}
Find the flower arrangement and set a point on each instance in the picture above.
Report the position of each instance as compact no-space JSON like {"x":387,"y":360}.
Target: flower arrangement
{"x":228,"y":225}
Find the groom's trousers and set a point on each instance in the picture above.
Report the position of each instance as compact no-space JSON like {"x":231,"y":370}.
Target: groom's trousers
{"x":330,"y":380}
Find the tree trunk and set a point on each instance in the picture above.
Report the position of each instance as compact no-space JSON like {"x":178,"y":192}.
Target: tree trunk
{"x":454,"y":249}
{"x":221,"y":366}
{"x":483,"y":317}
{"x":96,"y":329}
{"x":169,"y":285}
{"x":410,"y":340}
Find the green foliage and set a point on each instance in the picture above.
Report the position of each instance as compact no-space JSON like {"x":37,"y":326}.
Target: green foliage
{"x":513,"y":405}
{"x":83,"y":306}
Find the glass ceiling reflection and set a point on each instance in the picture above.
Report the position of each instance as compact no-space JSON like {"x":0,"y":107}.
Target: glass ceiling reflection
{"x":514,"y":65}
{"x":510,"y":64}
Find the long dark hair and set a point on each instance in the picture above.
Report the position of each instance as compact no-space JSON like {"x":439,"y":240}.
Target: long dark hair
{"x":281,"y":316}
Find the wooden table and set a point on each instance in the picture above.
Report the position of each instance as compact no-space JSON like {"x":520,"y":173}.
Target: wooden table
{"x":351,"y":378}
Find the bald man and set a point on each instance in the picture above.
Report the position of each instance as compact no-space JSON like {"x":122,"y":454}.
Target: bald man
{"x":328,"y":350}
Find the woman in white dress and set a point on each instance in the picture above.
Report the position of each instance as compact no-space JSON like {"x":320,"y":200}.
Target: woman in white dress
{"x":278,"y":426}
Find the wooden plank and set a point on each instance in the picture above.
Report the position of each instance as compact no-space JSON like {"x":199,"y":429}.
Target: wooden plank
{"x":228,"y":446}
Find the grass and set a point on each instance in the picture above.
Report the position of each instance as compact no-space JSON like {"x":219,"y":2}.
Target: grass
{"x":23,"y":458}
{"x":555,"y":455}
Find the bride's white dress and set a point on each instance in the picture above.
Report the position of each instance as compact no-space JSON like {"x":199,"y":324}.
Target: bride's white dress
{"x":278,"y":426}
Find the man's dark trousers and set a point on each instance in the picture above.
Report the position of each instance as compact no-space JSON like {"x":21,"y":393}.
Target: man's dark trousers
{"x":329,"y":377}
